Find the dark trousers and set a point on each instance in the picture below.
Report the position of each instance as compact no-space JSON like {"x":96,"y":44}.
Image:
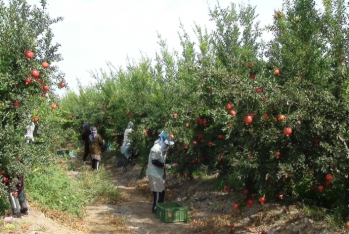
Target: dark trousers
{"x":19,"y":204}
{"x":95,"y":164}
{"x":87,"y":151}
{"x":158,"y":198}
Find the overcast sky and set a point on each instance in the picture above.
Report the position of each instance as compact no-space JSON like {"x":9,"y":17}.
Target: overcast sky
{"x":96,"y":31}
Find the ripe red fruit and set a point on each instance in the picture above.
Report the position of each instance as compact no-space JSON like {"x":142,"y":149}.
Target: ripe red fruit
{"x":28,"y":81}
{"x":36,"y":119}
{"x":5,"y":180}
{"x":46,"y":88}
{"x":220,"y":136}
{"x":277,"y":72}
{"x":329,"y":177}
{"x":144,"y":131}
{"x":16,"y":104}
{"x":194,"y":142}
{"x":259,"y":90}
{"x":262,"y":200}
{"x":35,"y":73}
{"x":61,"y":84}
{"x":252,"y":76}
{"x":29,"y":54}
{"x":15,"y":194}
{"x":250,"y":64}
{"x":187,"y":124}
{"x":280,"y":196}
{"x":171,"y":136}
{"x":245,"y":192}
{"x":287,"y":131}
{"x":175,"y":115}
{"x":265,"y":116}
{"x":277,"y":154}
{"x":204,"y":122}
{"x":236,"y":206}
{"x":45,"y":64}
{"x":248,"y":119}
{"x":219,"y":159}
{"x":43,"y":95}
{"x":281,"y":117}
{"x":226,"y":188}
{"x":320,"y":188}
{"x":249,"y":202}
{"x":53,"y":106}
{"x":232,"y":112}
{"x":2,"y":172}
{"x":210,"y":143}
{"x":229,"y":106}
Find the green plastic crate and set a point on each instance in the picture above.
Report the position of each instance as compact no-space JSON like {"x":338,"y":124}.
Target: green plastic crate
{"x":171,"y":212}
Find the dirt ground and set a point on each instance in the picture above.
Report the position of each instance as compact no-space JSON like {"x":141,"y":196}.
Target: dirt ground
{"x":209,"y":211}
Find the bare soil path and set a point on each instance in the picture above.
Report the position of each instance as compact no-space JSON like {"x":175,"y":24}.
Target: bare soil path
{"x":135,"y":210}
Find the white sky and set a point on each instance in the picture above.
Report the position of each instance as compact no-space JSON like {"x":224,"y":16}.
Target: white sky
{"x":96,"y":31}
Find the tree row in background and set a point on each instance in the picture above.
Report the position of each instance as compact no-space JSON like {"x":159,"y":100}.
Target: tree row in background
{"x":270,"y":116}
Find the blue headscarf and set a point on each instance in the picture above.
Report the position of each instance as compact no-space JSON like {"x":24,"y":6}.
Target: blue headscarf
{"x":165,"y":140}
{"x":86,"y":127}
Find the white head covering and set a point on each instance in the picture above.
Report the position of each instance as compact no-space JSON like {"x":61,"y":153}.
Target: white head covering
{"x":130,"y":124}
{"x":93,"y":133}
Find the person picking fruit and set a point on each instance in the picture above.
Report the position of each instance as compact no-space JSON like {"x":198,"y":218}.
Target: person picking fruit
{"x":127,"y":141}
{"x":96,"y":143}
{"x":17,"y":196}
{"x":156,"y":168}
{"x":85,"y":137}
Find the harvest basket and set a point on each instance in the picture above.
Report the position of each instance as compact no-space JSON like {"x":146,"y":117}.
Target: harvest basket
{"x":171,"y":212}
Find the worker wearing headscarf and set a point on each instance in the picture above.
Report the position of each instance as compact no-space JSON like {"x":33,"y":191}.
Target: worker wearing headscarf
{"x":156,"y":168}
{"x":85,"y":137}
{"x":96,"y":143}
{"x":127,"y":142}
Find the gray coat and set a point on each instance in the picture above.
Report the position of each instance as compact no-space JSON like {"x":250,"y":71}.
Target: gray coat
{"x":156,"y":154}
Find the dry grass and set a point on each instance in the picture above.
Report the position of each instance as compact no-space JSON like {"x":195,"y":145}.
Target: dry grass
{"x":63,"y":218}
{"x":111,"y":224}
